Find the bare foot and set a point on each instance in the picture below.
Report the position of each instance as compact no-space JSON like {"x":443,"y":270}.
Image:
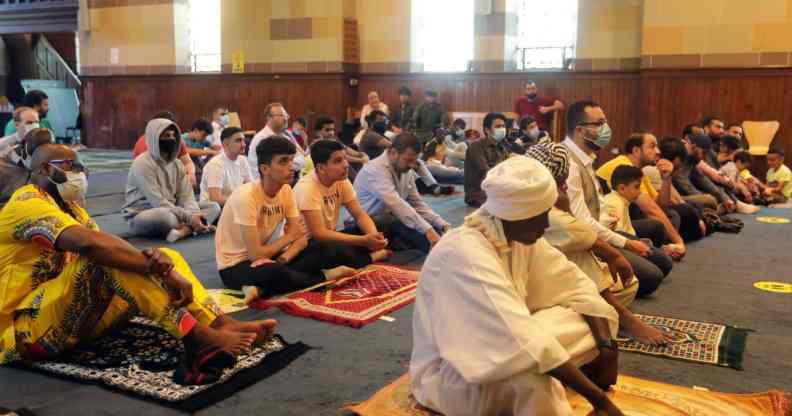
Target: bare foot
{"x":642,"y":332}
{"x":232,"y":342}
{"x":339,"y":272}
{"x":264,"y":329}
{"x":381,"y":255}
{"x":251,"y":294}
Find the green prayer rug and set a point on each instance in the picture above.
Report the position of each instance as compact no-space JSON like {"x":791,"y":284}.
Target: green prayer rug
{"x":699,"y":342}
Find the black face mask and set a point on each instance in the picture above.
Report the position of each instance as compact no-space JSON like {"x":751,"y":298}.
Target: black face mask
{"x":167,"y":146}
{"x":380,"y":127}
{"x":532,"y":96}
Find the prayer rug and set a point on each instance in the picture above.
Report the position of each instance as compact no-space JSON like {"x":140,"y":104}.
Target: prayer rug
{"x":699,"y":342}
{"x":139,"y":360}
{"x":353,"y":301}
{"x":634,"y":396}
{"x":229,"y":300}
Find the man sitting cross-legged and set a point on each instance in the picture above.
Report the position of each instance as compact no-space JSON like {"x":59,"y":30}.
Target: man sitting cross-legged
{"x":502,"y":318}
{"x":578,"y":241}
{"x":159,"y":199}
{"x":320,"y":195}
{"x":65,"y":282}
{"x":387,"y":191}
{"x":252,"y":255}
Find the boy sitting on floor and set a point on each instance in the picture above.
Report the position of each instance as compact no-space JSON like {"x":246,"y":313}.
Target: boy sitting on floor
{"x":615,"y":212}
{"x":250,"y":256}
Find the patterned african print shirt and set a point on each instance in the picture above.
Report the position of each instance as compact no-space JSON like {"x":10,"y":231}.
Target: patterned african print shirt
{"x":30,"y":224}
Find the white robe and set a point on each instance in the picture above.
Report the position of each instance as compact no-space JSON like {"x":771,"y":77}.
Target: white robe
{"x":479,"y":346}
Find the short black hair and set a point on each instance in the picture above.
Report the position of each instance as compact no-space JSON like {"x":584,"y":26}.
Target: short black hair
{"x":459,"y":122}
{"x":529,"y":82}
{"x":322,"y":121}
{"x":576,"y":114}
{"x":625,"y":175}
{"x":526,"y":121}
{"x":429,"y":150}
{"x":672,"y":148}
{"x":688,"y":130}
{"x":302,"y":121}
{"x":776,"y":151}
{"x":404,"y":141}
{"x":230,"y":131}
{"x":34,"y":98}
{"x":732,"y":143}
{"x":743,"y":157}
{"x":635,"y":140}
{"x":166,"y":114}
{"x":373,"y":116}
{"x":733,"y":125}
{"x":270,"y":147}
{"x":203,"y":125}
{"x":706,"y":121}
{"x":321,"y":150}
{"x":490,"y":118}
{"x":404,"y":90}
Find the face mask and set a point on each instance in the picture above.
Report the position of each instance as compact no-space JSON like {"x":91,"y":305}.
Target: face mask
{"x":224,"y":120}
{"x":533,"y":133}
{"x":75,"y":187}
{"x":499,"y":133}
{"x":390,"y":135}
{"x":167,"y":146}
{"x":603,"y":138}
{"x":30,"y":127}
{"x":532,"y":96}
{"x":380,"y":127}
{"x":448,"y":138}
{"x":460,"y":133}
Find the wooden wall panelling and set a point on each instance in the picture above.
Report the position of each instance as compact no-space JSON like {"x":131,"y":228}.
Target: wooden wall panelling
{"x":116,"y":108}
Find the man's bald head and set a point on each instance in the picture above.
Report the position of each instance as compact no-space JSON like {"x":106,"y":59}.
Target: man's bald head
{"x":48,"y":152}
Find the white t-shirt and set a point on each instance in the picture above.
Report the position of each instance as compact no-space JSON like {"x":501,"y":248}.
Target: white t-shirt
{"x":266,"y":133}
{"x":224,"y":173}
{"x":311,"y":195}
{"x":217,"y":130}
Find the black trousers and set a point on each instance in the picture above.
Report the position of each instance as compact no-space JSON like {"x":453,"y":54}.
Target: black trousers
{"x":303,"y":271}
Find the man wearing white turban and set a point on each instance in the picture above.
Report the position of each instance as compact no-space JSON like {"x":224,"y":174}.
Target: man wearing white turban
{"x":502,"y":318}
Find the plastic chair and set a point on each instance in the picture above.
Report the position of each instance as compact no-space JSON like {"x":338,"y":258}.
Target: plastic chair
{"x":759,"y":135}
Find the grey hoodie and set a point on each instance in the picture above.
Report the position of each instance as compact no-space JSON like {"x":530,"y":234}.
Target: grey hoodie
{"x":154,"y":182}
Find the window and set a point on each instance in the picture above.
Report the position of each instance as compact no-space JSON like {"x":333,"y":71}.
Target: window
{"x":204,"y":27}
{"x":547,"y":34}
{"x":442,"y":34}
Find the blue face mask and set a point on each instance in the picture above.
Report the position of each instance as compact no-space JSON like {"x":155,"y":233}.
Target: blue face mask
{"x":499,"y":133}
{"x":604,"y":135}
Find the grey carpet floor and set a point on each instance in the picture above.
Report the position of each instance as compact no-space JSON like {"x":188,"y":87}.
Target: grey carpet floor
{"x":713,"y":283}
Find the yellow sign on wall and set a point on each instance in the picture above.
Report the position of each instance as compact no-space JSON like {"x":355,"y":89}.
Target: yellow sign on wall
{"x":778,"y":287}
{"x":238,"y":62}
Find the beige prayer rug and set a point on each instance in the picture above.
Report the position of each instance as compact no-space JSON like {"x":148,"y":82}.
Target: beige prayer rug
{"x":699,"y":342}
{"x":634,"y":396}
{"x":229,"y":300}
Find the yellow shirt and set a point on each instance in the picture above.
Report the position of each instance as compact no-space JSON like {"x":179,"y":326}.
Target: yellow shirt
{"x":606,"y":172}
{"x":783,"y":174}
{"x":615,"y":208}
{"x":746,"y":174}
{"x":308,"y":168}
{"x":30,"y":224}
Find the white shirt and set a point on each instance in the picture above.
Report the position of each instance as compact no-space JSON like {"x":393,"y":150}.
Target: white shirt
{"x":577,"y":201}
{"x":217,"y":130}
{"x":224,"y":173}
{"x":265,"y":133}
{"x":472,"y":327}
{"x":10,"y":140}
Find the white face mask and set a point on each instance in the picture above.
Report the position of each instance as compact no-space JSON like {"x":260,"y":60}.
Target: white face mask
{"x":75,"y":187}
{"x":499,"y":133}
{"x":224,"y":120}
{"x":389,"y":134}
{"x":27,"y":128}
{"x":533,"y":133}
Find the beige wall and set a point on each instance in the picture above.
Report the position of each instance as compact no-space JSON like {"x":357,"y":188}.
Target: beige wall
{"x":609,"y":34}
{"x":717,"y":33}
{"x":145,"y":36}
{"x":384,"y":30}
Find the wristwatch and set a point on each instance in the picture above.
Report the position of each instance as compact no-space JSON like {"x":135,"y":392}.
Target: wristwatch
{"x":606,"y":343}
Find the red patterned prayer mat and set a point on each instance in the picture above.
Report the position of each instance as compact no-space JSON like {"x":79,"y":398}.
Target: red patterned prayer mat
{"x":353,"y":301}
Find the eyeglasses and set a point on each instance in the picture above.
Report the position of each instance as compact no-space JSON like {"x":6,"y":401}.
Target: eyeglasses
{"x":593,"y":123}
{"x":68,"y":165}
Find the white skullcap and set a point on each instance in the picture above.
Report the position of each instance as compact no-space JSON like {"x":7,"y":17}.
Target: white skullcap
{"x":519,"y":188}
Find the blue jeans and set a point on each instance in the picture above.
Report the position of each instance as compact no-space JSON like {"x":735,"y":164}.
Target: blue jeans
{"x":447,"y":175}
{"x":158,"y":222}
